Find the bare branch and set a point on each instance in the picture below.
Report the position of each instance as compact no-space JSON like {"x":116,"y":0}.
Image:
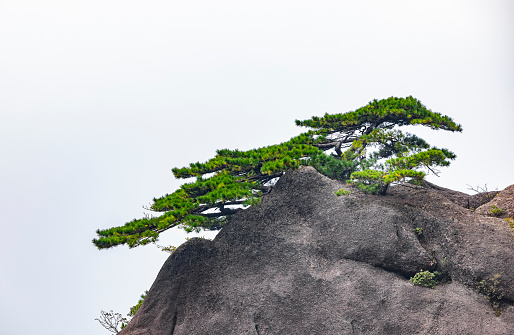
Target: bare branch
{"x":149,"y":208}
{"x":111,"y":321}
{"x":478,"y":188}
{"x":435,"y":172}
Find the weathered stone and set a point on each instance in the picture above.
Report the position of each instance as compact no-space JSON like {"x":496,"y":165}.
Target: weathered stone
{"x":503,"y":200}
{"x":306,"y":261}
{"x":463,"y":199}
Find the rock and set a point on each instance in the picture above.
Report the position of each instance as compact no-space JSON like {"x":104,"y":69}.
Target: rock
{"x":503,"y":200}
{"x":463,"y":199}
{"x":306,"y":261}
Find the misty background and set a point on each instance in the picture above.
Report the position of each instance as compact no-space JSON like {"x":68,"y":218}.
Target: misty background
{"x":100,"y":99}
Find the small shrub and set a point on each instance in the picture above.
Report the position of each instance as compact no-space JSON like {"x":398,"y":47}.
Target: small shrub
{"x":135,"y":308}
{"x":112,"y":321}
{"x":169,"y":249}
{"x":418,"y":230}
{"x":425,"y":279}
{"x":342,"y":191}
{"x":491,"y":288}
{"x":496,"y":211}
{"x":202,"y":237}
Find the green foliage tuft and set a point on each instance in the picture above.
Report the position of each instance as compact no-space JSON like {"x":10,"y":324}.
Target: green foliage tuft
{"x":169,"y":249}
{"x":490,"y":287}
{"x":418,"y":231}
{"x":135,"y":308}
{"x":399,"y":170}
{"x":496,"y":211}
{"x":425,"y":279}
{"x":342,"y":191}
{"x":386,"y":114}
{"x":334,"y":167}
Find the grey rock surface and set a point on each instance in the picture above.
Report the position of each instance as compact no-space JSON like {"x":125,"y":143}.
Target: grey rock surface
{"x":503,"y":200}
{"x":306,"y":261}
{"x":463,"y":199}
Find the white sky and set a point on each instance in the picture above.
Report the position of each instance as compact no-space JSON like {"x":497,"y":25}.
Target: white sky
{"x":100,"y":99}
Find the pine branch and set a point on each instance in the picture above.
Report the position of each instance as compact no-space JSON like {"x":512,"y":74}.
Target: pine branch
{"x":240,"y":178}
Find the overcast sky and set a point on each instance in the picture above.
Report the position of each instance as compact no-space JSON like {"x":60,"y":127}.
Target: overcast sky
{"x":100,"y":99}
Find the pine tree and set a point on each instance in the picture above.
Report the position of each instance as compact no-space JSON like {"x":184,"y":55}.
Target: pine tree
{"x":336,"y":145}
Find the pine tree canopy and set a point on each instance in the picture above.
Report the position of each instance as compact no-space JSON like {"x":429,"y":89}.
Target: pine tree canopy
{"x":233,"y":179}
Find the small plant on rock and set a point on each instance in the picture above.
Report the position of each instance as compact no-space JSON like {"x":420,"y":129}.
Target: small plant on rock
{"x":169,"y":249}
{"x":418,"y":230}
{"x":490,"y":287}
{"x":425,"y":279}
{"x":342,"y":191}
{"x":135,"y":308}
{"x":112,"y":321}
{"x":201,"y":237}
{"x":496,"y":211}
